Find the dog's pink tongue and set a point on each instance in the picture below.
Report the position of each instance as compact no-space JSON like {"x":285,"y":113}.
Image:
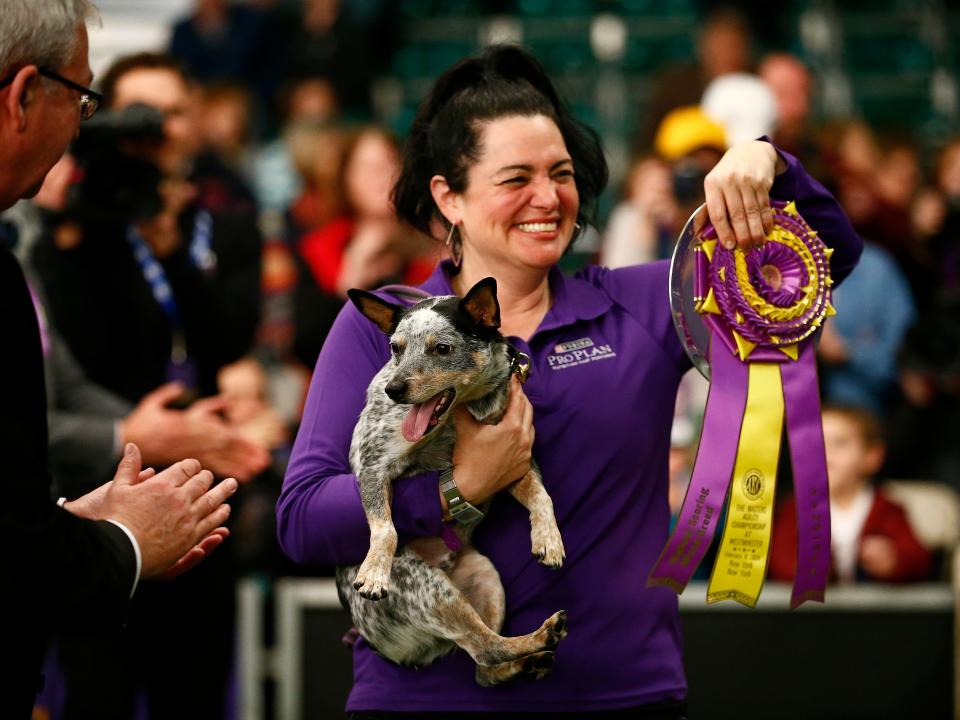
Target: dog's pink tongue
{"x":417,"y":419}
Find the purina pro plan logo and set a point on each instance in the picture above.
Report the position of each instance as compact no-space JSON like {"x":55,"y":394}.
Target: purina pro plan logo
{"x":578,"y":352}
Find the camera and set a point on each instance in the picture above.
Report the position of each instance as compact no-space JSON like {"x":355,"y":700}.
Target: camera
{"x":688,"y":177}
{"x":116,"y":183}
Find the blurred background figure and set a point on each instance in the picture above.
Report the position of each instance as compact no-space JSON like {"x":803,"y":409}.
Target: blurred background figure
{"x":305,"y":102}
{"x":742,"y":104}
{"x":792,"y":87}
{"x":663,"y":189}
{"x":936,"y":220}
{"x":925,"y":423}
{"x":225,"y":42}
{"x":876,"y":181}
{"x":363,"y":245}
{"x":724,"y":45}
{"x":224,"y":115}
{"x":334,"y":39}
{"x":160,"y":82}
{"x":316,"y":152}
{"x":858,"y":347}
{"x":871,"y":538}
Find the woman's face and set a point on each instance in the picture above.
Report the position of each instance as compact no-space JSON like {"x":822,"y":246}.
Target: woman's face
{"x":370,"y":174}
{"x":520,"y":206}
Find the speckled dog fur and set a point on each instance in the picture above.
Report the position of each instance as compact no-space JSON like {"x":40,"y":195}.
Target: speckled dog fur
{"x":429,"y":598}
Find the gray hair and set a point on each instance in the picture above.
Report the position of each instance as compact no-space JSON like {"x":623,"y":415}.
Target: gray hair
{"x":41,"y":32}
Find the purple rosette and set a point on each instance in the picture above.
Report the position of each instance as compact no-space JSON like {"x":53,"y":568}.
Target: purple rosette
{"x":761,"y":309}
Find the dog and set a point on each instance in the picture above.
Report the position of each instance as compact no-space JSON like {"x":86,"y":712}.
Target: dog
{"x":433,"y":596}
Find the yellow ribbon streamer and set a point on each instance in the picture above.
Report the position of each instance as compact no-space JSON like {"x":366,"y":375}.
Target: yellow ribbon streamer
{"x":742,"y":559}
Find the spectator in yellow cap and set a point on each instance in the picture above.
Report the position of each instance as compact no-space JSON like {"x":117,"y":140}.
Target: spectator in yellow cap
{"x":663,"y":189}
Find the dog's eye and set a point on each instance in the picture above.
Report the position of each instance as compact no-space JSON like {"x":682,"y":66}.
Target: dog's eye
{"x":443,"y":349}
{"x":395,"y":348}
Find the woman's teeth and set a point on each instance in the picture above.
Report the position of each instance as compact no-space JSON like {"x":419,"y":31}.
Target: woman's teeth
{"x":538,"y":227}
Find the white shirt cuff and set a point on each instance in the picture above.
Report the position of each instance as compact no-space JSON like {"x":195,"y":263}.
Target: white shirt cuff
{"x":136,"y":551}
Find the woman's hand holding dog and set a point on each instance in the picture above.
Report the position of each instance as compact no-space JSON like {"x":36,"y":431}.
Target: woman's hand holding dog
{"x":488,"y":458}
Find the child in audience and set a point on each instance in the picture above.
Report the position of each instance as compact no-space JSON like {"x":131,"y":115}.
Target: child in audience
{"x":871,"y":538}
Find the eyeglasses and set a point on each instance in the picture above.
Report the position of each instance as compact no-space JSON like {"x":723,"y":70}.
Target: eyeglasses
{"x":89,"y":100}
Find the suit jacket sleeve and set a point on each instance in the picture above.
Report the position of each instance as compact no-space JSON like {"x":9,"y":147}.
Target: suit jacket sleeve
{"x":82,"y":418}
{"x":61,"y":565}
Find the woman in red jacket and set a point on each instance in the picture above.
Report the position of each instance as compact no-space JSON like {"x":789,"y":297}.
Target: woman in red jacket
{"x":366,"y":244}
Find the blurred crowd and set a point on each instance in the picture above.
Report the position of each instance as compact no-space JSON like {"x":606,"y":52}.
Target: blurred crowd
{"x":190,"y":253}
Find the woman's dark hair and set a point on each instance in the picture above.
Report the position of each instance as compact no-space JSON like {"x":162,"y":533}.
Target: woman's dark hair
{"x":444,"y":140}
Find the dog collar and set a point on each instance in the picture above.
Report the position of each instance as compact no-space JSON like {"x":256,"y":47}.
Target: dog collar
{"x":519,"y":363}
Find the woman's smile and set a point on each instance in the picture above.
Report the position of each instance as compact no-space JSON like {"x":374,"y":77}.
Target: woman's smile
{"x":547,"y":229}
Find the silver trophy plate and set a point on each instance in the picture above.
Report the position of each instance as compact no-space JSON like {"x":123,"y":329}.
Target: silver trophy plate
{"x":690,"y":327}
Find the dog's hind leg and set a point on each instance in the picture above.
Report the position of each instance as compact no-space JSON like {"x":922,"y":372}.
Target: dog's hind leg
{"x":479,"y":581}
{"x":373,"y":577}
{"x":546,"y":543}
{"x":461,"y":624}
{"x":433,"y":604}
{"x":537,"y":666}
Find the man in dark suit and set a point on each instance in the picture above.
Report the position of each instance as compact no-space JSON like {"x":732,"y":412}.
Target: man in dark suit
{"x":77,"y":564}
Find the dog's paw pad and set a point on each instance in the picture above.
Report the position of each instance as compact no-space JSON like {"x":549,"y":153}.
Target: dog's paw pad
{"x":538,"y":665}
{"x":554,"y":562}
{"x":556,"y":628}
{"x":371,"y":588}
{"x":372,"y":594}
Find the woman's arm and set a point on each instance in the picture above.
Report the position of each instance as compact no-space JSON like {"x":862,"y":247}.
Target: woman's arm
{"x":319,"y":515}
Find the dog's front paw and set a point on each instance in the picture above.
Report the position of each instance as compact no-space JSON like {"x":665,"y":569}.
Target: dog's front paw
{"x":548,"y":546}
{"x":373,"y":583}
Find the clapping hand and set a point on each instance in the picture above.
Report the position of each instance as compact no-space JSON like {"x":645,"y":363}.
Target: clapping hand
{"x":176,"y":516}
{"x":165,"y":435}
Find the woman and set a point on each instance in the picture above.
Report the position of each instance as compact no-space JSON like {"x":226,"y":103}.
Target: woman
{"x":365,"y":243}
{"x":497,"y":161}
{"x":361,"y":245}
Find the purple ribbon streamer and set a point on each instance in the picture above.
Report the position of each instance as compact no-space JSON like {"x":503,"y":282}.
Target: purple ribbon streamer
{"x":811,"y":489}
{"x":712,"y":471}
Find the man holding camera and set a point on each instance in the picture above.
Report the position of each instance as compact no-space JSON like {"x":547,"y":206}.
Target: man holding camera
{"x":77,"y":564}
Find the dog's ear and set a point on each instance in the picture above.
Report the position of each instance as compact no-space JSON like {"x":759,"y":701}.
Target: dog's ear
{"x":481,"y":303}
{"x":384,"y":315}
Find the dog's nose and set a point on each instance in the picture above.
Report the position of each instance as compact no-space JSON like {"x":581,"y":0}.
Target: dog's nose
{"x":396,"y":389}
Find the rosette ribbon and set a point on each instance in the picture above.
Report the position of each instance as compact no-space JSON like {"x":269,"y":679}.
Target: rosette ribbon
{"x":762,"y":308}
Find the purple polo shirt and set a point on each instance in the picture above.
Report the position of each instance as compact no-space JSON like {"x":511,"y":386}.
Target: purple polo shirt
{"x":606,"y":363}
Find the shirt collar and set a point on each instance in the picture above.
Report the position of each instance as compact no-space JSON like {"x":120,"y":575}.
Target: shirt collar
{"x":574,"y":298}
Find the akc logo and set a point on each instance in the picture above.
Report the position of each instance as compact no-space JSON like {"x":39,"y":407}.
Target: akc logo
{"x":753,"y":484}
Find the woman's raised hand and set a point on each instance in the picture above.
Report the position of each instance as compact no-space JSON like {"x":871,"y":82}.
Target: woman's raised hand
{"x":738,"y":193}
{"x":488,"y":458}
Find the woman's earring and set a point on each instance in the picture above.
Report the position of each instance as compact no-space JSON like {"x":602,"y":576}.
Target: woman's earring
{"x":455,"y":246}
